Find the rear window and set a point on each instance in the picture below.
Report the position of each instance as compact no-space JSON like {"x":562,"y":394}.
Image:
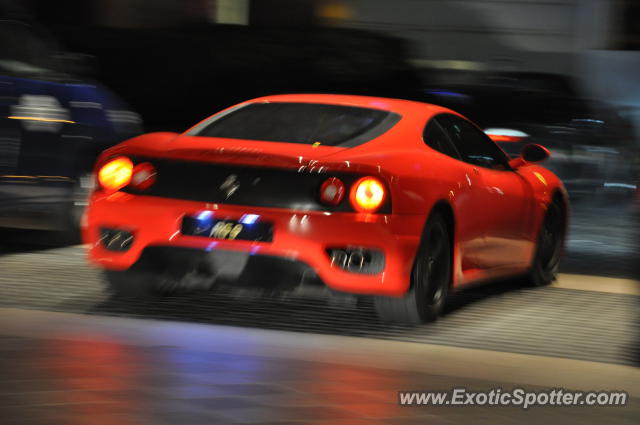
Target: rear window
{"x":304,"y":123}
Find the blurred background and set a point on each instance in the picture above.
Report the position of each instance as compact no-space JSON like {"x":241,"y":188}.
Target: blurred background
{"x":81,"y":75}
{"x":561,"y":73}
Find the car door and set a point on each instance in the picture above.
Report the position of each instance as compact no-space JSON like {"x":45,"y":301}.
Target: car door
{"x":467,"y":200}
{"x":502,"y":205}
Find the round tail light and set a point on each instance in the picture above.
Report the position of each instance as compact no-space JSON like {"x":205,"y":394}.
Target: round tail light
{"x":367,"y":194}
{"x":144,"y":176}
{"x":116,"y":173}
{"x":332,"y":191}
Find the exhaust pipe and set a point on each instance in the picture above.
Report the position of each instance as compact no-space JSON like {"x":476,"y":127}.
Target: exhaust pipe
{"x":357,"y":260}
{"x":115,"y":239}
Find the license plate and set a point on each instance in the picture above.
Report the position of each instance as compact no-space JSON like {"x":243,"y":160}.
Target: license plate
{"x":227,"y":229}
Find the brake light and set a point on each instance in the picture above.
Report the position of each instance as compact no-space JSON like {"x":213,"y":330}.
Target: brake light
{"x":144,"y":176}
{"x":115,"y":174}
{"x":332,"y":191}
{"x":367,"y":194}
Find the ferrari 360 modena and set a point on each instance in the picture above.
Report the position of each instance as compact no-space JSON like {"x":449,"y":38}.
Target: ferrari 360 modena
{"x":394,"y":199}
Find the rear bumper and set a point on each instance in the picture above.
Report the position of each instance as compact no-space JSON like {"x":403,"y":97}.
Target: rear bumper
{"x":197,"y":268}
{"x":302,"y":237}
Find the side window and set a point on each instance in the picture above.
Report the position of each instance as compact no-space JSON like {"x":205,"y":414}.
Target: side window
{"x":435,"y":137}
{"x":474,"y":146}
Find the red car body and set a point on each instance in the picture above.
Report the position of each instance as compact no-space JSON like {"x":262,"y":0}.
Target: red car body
{"x":495,"y":214}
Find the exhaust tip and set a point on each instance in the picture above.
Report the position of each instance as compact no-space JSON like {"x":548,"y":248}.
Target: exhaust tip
{"x":357,"y":259}
{"x":116,"y":239}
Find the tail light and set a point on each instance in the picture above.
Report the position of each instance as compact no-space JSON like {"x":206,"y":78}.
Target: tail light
{"x":115,"y":174}
{"x":144,"y":176}
{"x":367,"y":194}
{"x":332,"y":191}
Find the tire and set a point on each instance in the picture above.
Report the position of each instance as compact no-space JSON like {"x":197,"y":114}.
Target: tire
{"x":430,"y":280}
{"x":546,"y":260}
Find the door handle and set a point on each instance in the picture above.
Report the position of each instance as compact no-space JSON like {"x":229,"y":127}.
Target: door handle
{"x":476,"y":171}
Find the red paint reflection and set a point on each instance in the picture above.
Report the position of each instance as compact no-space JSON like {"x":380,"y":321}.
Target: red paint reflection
{"x":98,"y":380}
{"x":368,"y":392}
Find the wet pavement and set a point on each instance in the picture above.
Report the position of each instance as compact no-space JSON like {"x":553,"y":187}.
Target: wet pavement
{"x":64,"y":369}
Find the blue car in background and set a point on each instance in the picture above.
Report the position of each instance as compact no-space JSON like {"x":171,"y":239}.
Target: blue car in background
{"x":53,"y":124}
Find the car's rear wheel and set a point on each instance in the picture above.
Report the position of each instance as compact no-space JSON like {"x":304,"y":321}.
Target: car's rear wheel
{"x":430,"y":280}
{"x":549,"y":248}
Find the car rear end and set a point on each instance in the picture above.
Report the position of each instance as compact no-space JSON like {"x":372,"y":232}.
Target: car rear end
{"x":221,"y":204}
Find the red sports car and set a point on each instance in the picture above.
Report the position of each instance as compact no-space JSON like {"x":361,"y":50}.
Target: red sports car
{"x":400,"y":200}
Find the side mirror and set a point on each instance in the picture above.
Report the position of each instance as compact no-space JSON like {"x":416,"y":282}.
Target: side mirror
{"x":530,"y":153}
{"x":535,"y":153}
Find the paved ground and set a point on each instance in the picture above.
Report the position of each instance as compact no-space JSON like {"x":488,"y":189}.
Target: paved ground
{"x":59,"y":367}
{"x":68,"y":369}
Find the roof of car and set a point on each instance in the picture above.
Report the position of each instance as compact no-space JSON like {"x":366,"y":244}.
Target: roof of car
{"x":395,"y":105}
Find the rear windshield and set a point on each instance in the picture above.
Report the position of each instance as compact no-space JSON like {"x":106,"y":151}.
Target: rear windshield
{"x":305,"y":123}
